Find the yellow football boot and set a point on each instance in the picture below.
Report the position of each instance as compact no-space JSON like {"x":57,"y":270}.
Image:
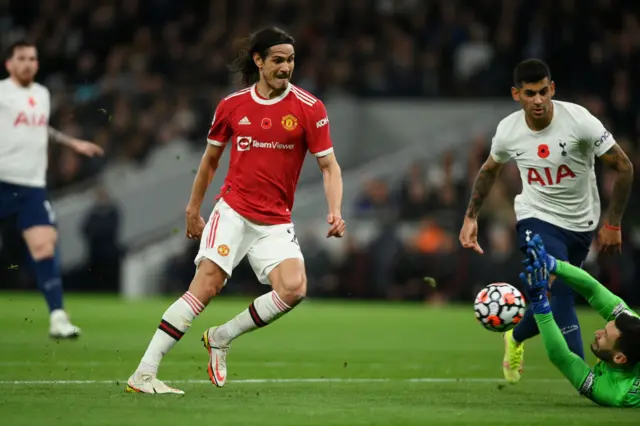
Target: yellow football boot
{"x":513,"y":361}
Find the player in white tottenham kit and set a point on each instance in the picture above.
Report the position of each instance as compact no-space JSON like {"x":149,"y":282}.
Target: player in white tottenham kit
{"x":554,"y":145}
{"x":24,"y":135}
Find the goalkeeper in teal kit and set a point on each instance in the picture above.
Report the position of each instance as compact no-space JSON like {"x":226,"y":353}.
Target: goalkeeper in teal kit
{"x":615,"y":379}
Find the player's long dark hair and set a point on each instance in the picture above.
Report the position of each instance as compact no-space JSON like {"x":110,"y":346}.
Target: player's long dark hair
{"x":629,"y":341}
{"x":259,"y":43}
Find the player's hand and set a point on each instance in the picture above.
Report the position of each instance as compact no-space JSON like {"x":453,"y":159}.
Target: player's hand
{"x":469,"y":235}
{"x":610,"y":240}
{"x":88,"y":149}
{"x":536,"y":280}
{"x":195,"y":223}
{"x":537,"y":252}
{"x":536,"y":283}
{"x":337,"y":226}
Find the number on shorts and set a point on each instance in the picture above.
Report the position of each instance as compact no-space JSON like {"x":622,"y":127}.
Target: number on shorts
{"x":294,"y":238}
{"x":50,"y":212}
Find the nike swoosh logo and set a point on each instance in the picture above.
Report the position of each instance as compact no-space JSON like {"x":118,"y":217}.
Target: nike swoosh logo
{"x":518,"y":154}
{"x":219,"y":376}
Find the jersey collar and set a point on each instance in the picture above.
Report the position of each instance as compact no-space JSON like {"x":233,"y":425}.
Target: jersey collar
{"x":18,"y":86}
{"x":271,"y":101}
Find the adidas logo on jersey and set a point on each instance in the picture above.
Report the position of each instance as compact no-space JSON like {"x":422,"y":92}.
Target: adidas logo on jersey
{"x":244,"y":120}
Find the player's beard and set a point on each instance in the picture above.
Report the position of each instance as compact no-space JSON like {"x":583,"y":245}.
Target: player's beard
{"x":25,"y":77}
{"x":602,"y":354}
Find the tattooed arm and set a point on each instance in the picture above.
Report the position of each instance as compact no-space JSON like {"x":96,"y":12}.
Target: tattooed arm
{"x":610,"y":235}
{"x":481,"y":188}
{"x":616,"y":159}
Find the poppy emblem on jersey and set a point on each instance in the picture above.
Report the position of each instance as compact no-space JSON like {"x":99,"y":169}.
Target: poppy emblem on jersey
{"x":223,"y":250}
{"x":543,"y":150}
{"x":289,"y":122}
{"x":32,"y":101}
{"x":265,"y":123}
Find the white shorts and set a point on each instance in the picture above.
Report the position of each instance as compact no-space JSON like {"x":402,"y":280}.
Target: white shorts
{"x":228,"y":238}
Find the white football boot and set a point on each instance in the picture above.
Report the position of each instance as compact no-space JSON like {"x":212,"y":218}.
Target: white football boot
{"x":217,"y":367}
{"x":147,"y":383}
{"x":60,"y":327}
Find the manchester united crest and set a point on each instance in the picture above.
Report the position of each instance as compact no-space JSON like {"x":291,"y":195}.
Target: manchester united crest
{"x":289,"y":122}
{"x":223,"y":250}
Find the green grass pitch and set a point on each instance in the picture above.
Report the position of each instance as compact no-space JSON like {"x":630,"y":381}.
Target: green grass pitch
{"x":326,"y":363}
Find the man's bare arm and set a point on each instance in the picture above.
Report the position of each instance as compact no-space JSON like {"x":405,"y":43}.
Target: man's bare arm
{"x":482,"y":186}
{"x":86,"y":148}
{"x":59,"y":137}
{"x":204,"y":176}
{"x":616,"y":159}
{"x":332,"y":177}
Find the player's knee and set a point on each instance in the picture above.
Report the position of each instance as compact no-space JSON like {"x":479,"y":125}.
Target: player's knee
{"x":208,"y":281}
{"x":292,"y":288}
{"x":43,"y":249}
{"x":41,"y":241}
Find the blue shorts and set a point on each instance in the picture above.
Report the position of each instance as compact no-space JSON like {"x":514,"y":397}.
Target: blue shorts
{"x":560,"y":243}
{"x":29,"y":205}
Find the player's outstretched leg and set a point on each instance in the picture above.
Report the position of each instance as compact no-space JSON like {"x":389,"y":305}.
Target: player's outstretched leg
{"x":513,"y":361}
{"x":289,"y":284}
{"x":44,"y":257}
{"x":564,"y":312}
{"x":176,"y":320}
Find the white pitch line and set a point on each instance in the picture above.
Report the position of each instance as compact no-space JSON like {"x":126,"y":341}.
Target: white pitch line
{"x":265,"y":364}
{"x":266,"y":381}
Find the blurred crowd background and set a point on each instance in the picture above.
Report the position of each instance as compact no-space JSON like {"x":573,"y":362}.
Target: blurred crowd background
{"x":135,"y":75}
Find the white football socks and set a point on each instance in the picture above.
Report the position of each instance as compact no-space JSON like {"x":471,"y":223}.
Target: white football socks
{"x":175,"y":322}
{"x":264,"y":310}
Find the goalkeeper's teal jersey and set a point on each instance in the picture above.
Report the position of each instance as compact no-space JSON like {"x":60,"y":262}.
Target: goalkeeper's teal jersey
{"x":603,"y":384}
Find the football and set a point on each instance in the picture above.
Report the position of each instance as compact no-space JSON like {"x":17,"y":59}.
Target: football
{"x":499,"y":307}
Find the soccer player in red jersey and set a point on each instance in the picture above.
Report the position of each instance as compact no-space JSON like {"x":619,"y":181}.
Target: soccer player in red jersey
{"x":269,"y":126}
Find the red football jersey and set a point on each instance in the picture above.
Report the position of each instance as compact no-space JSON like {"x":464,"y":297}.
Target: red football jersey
{"x":269,"y":139}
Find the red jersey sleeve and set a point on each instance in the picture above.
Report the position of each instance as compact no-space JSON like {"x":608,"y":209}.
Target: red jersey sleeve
{"x":220,"y":131}
{"x":318,"y":134}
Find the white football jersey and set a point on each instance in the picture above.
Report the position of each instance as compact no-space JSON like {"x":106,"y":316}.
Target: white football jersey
{"x":24,"y":121}
{"x":556,"y":165}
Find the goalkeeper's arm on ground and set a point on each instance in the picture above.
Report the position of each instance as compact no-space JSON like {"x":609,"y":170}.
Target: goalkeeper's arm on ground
{"x":570,"y":365}
{"x":574,"y":368}
{"x":601,"y":389}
